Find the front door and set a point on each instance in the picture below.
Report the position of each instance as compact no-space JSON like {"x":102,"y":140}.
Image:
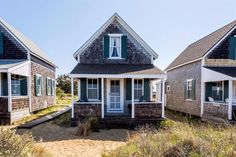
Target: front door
{"x":115,"y":95}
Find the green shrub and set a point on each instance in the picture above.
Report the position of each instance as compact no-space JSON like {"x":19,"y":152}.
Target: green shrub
{"x":60,"y":93}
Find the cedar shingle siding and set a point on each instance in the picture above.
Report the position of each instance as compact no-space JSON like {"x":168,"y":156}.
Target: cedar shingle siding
{"x":94,"y":54}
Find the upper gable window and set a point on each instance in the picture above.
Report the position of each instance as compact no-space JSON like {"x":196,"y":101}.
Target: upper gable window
{"x":115,"y":46}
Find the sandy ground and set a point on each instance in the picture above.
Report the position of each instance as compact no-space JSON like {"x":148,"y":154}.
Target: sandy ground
{"x":62,"y":142}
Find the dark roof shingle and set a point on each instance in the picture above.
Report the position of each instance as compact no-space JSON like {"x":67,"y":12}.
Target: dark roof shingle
{"x":116,"y":69}
{"x":199,"y":48}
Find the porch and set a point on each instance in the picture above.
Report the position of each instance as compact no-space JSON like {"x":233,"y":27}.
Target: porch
{"x":118,"y":95}
{"x":14,"y":90}
{"x":219,"y":92}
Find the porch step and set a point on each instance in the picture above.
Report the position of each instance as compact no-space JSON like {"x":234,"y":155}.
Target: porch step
{"x":213,"y":119}
{"x":112,"y":122}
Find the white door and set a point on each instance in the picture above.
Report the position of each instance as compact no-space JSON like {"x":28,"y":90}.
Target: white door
{"x":115,"y":95}
{"x":234,"y":93}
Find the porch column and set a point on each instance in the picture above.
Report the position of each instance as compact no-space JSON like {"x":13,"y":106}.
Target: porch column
{"x":102,"y":94}
{"x":203,"y":86}
{"x":230,"y":100}
{"x":132,"y":99}
{"x":163,"y":99}
{"x":29,"y":92}
{"x":72,"y":97}
{"x":9,"y":92}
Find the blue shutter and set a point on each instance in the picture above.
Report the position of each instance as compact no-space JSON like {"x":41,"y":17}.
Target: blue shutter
{"x":83,"y":89}
{"x":146,"y":89}
{"x":4,"y":84}
{"x":124,"y":53}
{"x":1,"y":43}
{"x":232,"y":48}
{"x":106,"y":46}
{"x":35,"y":85}
{"x":128,"y":88}
{"x":23,"y":86}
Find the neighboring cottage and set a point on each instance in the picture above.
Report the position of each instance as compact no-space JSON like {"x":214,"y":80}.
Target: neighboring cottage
{"x":201,"y":80}
{"x":27,"y":76}
{"x":114,"y":72}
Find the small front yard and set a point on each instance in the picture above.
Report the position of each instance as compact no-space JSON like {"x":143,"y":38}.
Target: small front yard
{"x":188,"y":137}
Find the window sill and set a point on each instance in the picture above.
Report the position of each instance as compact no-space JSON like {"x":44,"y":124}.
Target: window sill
{"x":116,"y":58}
{"x":188,"y":99}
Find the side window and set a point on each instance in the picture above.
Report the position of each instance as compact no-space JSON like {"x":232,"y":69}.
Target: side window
{"x":49,"y":86}
{"x":190,"y":89}
{"x":138,"y":89}
{"x":115,"y":47}
{"x":92,"y":89}
{"x":53,"y":87}
{"x":38,"y":85}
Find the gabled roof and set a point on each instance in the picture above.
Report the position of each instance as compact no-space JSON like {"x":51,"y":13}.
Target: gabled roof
{"x":25,"y":42}
{"x":126,"y":26}
{"x":201,"y":47}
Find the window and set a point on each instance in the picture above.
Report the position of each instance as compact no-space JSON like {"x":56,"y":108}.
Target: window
{"x":38,"y":85}
{"x":190,"y":89}
{"x":217,"y":91}
{"x":49,"y":86}
{"x":168,"y":88}
{"x":15,"y":85}
{"x":92,"y":89}
{"x":138,"y":89}
{"x":115,"y":46}
{"x":53,"y":87}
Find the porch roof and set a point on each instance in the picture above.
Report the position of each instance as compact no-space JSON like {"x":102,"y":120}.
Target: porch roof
{"x":111,"y":69}
{"x":8,"y":64}
{"x":230,"y":71}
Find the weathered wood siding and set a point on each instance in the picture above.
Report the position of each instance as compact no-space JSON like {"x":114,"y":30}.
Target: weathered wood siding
{"x":136,"y":53}
{"x":175,"y":97}
{"x":11,"y":48}
{"x":222,"y":51}
{"x":43,"y":101}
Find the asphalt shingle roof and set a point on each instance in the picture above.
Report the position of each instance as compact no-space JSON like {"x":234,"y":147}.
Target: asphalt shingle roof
{"x":34,"y":49}
{"x":116,"y":69}
{"x":199,"y":48}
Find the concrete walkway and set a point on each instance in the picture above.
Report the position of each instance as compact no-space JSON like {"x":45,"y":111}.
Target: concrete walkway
{"x":43,"y":119}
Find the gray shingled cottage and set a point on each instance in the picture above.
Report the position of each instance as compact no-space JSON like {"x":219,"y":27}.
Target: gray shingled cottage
{"x":27,"y":76}
{"x":202,"y":79}
{"x":115,"y":72}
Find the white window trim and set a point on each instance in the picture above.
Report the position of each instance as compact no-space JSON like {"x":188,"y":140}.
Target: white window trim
{"x":97,"y":89}
{"x":41,"y":84}
{"x":49,"y":93}
{"x":110,"y":52}
{"x":136,"y":100}
{"x":187,"y":81}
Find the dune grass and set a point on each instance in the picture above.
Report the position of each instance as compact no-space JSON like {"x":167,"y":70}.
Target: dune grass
{"x":181,"y":139}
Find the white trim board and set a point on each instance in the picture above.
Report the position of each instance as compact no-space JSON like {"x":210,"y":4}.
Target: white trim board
{"x":123,"y":24}
{"x":154,"y":76}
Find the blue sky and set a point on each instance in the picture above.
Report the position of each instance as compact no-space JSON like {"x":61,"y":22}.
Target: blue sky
{"x":60,"y":27}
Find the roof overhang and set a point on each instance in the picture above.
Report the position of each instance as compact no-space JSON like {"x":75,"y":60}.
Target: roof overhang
{"x":153,"y":76}
{"x":126,"y":26}
{"x":210,"y":74}
{"x":20,"y":67}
